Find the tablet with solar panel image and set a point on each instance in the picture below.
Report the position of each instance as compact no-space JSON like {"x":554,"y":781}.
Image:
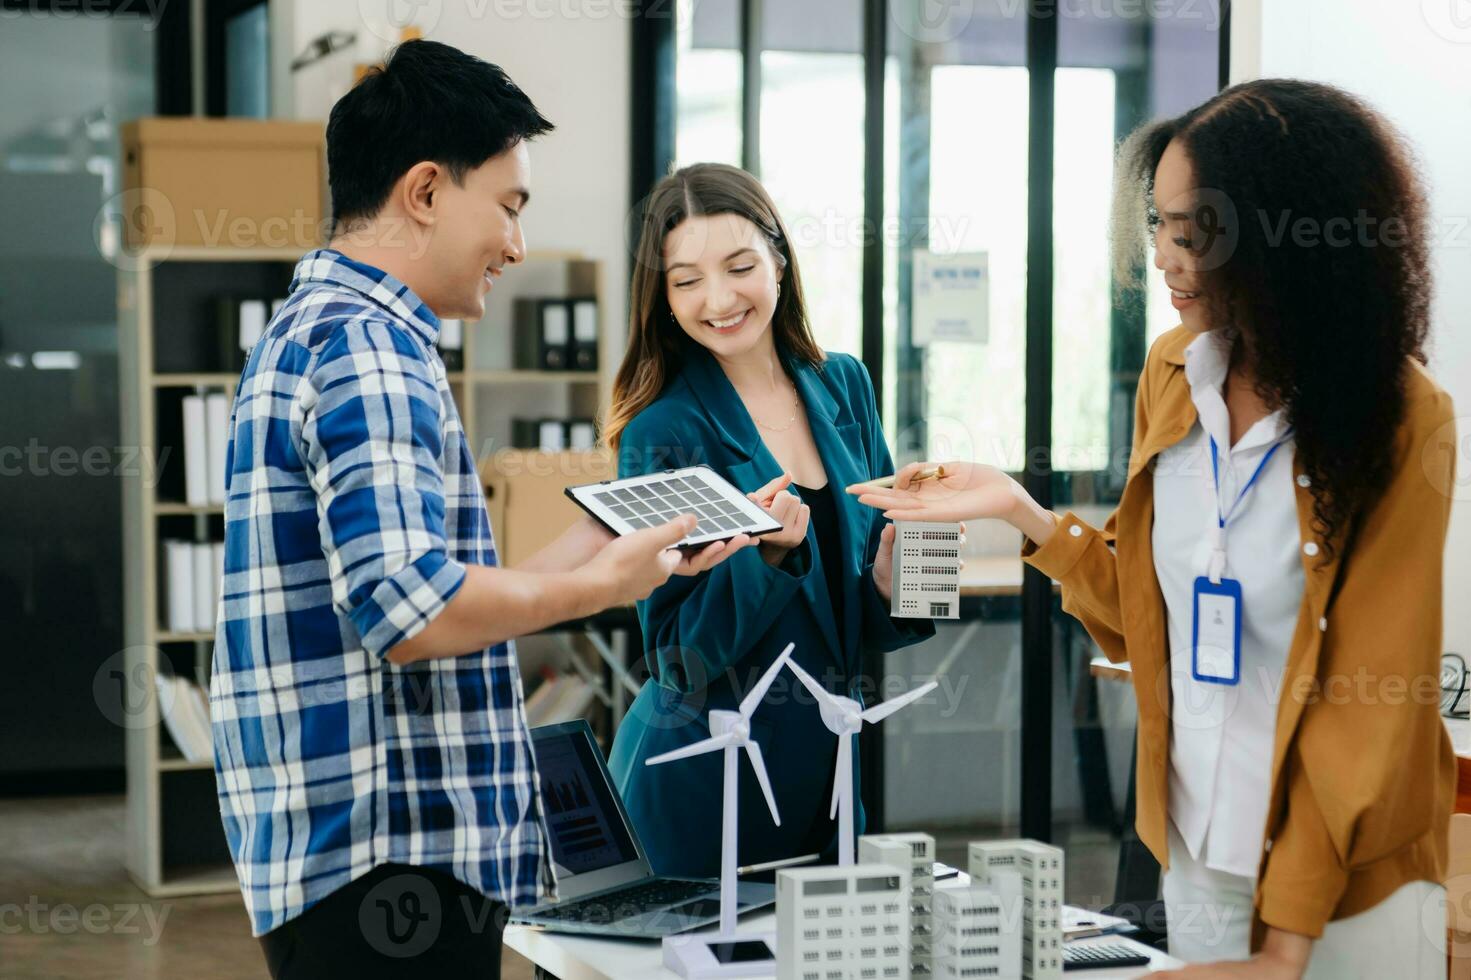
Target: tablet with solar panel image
{"x":637,"y":502}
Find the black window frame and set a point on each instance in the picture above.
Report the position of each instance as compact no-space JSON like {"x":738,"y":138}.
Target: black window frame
{"x":217,"y":17}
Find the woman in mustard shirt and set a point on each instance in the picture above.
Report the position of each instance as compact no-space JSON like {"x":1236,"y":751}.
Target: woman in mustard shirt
{"x":1273,"y":571}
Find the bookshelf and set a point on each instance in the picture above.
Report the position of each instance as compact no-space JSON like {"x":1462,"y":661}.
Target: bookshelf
{"x":169,"y":348}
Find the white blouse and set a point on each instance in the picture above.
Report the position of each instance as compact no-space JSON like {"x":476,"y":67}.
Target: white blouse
{"x":1222,"y":736}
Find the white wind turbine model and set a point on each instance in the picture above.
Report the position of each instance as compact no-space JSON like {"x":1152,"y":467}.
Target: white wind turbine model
{"x":845,"y":718}
{"x":730,"y":731}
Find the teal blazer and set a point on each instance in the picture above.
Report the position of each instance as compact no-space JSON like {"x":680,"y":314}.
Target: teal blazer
{"x":708,"y":638}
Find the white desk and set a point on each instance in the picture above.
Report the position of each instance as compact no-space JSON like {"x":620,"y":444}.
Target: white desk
{"x":589,"y":958}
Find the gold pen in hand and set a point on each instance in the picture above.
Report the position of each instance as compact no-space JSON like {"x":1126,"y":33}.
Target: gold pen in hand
{"x":888,"y":481}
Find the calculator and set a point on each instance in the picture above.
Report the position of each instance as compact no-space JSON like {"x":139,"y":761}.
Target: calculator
{"x":1098,"y":956}
{"x":637,"y":502}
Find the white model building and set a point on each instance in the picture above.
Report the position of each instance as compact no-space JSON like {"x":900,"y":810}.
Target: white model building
{"x":1041,"y":869}
{"x":978,"y":930}
{"x":926,"y":575}
{"x":915,"y":852}
{"x":842,"y":923}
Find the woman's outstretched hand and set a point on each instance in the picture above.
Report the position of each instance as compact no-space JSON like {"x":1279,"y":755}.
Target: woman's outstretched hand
{"x":966,"y":491}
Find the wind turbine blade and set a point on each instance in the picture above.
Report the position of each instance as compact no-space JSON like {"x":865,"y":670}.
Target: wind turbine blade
{"x":881,"y":711}
{"x":753,"y":698}
{"x":808,"y":681}
{"x":845,"y":764}
{"x":699,"y":748}
{"x":758,"y":764}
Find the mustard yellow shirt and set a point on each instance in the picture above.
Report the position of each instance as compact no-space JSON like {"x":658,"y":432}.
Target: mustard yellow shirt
{"x":1363,"y":774}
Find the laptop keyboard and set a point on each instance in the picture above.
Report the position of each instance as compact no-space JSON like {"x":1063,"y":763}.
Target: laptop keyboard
{"x":628,"y":902}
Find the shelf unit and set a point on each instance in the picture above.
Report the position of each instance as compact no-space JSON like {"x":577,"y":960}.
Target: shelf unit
{"x":168,"y":347}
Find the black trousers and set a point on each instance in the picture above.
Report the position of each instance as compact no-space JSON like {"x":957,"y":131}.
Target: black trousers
{"x":395,"y":921}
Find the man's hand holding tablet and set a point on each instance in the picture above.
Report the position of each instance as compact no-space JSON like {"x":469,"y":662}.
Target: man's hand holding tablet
{"x":723,"y":514}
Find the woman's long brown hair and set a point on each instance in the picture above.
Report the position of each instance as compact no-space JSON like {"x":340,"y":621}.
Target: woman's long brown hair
{"x":654,"y":339}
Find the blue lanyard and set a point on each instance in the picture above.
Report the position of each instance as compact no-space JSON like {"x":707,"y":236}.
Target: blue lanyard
{"x":1221,"y":519}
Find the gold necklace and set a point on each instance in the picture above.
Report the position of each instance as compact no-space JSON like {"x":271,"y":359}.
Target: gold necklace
{"x":796,"y":406}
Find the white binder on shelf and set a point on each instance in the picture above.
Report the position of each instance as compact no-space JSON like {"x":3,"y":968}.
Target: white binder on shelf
{"x":196,"y":452}
{"x":253,"y":321}
{"x":204,"y":586}
{"x":555,"y":329}
{"x":584,"y":335}
{"x":582,"y":435}
{"x":186,"y":716}
{"x":216,"y":438}
{"x":178,"y":580}
{"x":552,"y":436}
{"x":217,"y":560}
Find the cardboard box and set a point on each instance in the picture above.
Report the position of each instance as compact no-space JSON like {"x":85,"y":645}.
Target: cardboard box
{"x":524,"y":492}
{"x":230,"y":183}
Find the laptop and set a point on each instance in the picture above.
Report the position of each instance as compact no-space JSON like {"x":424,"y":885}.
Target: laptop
{"x":606,"y":885}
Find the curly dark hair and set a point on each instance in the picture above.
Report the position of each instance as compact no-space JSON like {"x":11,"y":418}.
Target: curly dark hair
{"x":1329,"y":310}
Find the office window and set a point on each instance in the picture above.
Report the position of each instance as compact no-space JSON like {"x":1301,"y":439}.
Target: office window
{"x":811,"y":138}
{"x":708,"y":83}
{"x":812,"y":164}
{"x":975,"y":394}
{"x":247,"y":63}
{"x":61,"y":589}
{"x":1082,"y":296}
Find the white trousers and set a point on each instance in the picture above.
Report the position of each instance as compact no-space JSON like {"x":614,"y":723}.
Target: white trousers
{"x":1209,"y":915}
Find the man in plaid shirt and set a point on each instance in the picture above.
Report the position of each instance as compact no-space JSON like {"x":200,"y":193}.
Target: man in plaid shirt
{"x":375,"y":774}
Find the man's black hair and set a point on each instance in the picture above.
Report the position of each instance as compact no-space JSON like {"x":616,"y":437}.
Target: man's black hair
{"x":428,"y":101}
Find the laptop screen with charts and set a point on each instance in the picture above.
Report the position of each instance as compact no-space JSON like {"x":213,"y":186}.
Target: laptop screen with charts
{"x":637,"y":502}
{"x":592,"y":842}
{"x":604,"y":882}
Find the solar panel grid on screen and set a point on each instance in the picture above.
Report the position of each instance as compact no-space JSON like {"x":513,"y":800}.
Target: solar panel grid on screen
{"x":634,"y":503}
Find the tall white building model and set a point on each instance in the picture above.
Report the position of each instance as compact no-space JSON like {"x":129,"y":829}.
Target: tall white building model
{"x":1041,"y":869}
{"x":916,"y":853}
{"x":842,"y":923}
{"x":926,"y":570}
{"x":978,"y":930}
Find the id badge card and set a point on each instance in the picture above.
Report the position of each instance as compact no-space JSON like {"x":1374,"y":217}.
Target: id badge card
{"x":1215,"y":640}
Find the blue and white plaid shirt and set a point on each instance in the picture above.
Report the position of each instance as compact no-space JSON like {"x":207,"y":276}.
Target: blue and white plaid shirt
{"x":353,"y":506}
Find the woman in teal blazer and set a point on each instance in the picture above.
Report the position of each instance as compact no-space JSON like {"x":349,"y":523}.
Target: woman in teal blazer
{"x":707,"y":638}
